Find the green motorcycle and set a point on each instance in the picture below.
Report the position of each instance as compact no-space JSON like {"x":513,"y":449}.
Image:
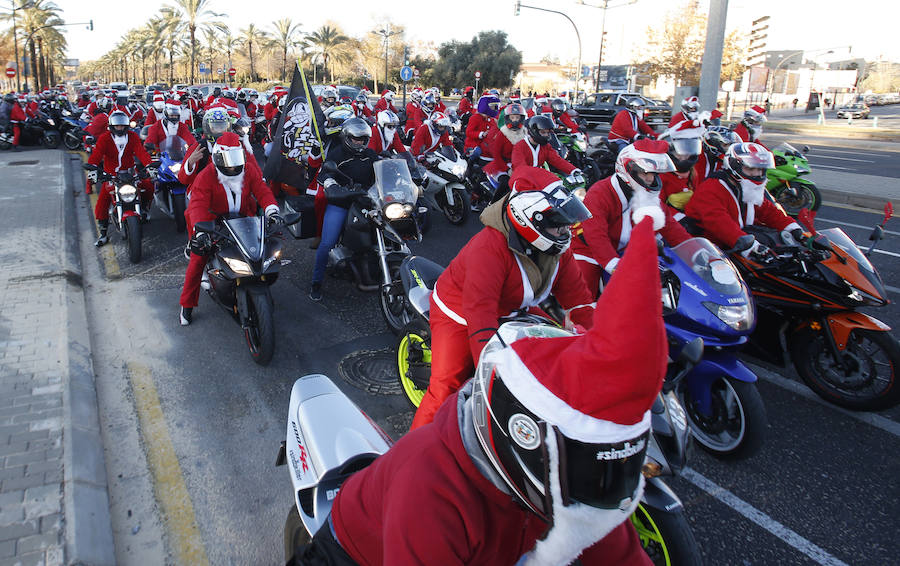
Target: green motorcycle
{"x":787,"y":183}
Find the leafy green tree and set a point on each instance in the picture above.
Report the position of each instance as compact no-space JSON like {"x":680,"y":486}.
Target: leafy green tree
{"x":488,"y":52}
{"x":285,"y":38}
{"x":325,"y":41}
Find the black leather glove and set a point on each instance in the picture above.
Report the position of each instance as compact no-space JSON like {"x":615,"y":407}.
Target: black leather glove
{"x":799,"y":235}
{"x":201,"y":243}
{"x":275,"y":219}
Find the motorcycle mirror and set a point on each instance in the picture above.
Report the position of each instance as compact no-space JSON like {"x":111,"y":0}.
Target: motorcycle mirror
{"x":744,"y":242}
{"x":208,"y":226}
{"x":692,"y":352}
{"x":877,"y":233}
{"x":292,"y":218}
{"x":329,"y":167}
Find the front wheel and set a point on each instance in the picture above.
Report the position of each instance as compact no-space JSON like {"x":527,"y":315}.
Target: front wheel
{"x":295,"y":537}
{"x":51,"y":141}
{"x":414,"y":360}
{"x":260,"y":328}
{"x":178,"y":208}
{"x":666,"y":537}
{"x":736,"y":425}
{"x":868,"y":379}
{"x":133,"y":233}
{"x":393,"y":301}
{"x":807,"y":196}
{"x":4,"y":145}
{"x":458,"y":212}
{"x":72,"y":142}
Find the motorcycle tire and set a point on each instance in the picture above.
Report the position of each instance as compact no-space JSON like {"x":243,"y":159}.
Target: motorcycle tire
{"x":51,"y":140}
{"x":813,"y":361}
{"x":393,"y":301}
{"x":260,"y":331}
{"x":72,"y":142}
{"x":414,"y":356}
{"x":666,"y":537}
{"x":295,"y":537}
{"x":178,"y":208}
{"x":5,"y":145}
{"x":458,"y":213}
{"x":808,"y":196}
{"x":734,"y":432}
{"x":134,"y":234}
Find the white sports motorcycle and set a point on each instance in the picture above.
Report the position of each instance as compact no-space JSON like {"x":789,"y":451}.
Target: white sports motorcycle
{"x":444,"y":186}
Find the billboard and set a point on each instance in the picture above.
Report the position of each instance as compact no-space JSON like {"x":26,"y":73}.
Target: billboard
{"x":614,"y":77}
{"x":759,"y":77}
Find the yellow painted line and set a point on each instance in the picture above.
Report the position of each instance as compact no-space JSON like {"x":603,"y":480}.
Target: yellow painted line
{"x":171,"y":492}
{"x":106,"y":252}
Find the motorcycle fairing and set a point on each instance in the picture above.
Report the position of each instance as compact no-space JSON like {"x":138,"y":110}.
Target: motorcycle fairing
{"x":842,"y":323}
{"x":419,"y":276}
{"x":248,"y":232}
{"x":713,"y":366}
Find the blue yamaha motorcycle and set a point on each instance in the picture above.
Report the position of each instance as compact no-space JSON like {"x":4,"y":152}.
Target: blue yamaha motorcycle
{"x":170,"y":193}
{"x":705,"y":297}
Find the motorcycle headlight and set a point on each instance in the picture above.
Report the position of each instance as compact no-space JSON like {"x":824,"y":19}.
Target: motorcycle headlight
{"x":239,"y":266}
{"x":51,"y":122}
{"x":132,"y":124}
{"x":175,"y":168}
{"x":459,"y":168}
{"x":275,"y":257}
{"x":394,"y":211}
{"x":127,"y":193}
{"x":581,"y":145}
{"x":801,"y":169}
{"x":738,"y":317}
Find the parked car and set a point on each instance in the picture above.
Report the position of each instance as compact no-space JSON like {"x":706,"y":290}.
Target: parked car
{"x":118,"y":86}
{"x":602,"y":107}
{"x":855,"y":110}
{"x":343,"y":90}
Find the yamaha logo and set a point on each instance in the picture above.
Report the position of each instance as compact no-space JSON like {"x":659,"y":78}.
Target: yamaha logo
{"x":524,"y":431}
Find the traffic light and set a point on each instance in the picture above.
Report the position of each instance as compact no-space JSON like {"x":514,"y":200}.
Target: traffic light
{"x":405,"y":55}
{"x":518,"y":7}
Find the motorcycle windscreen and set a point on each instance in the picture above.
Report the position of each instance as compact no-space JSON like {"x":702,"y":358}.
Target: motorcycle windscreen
{"x":708,"y":262}
{"x":840,"y":239}
{"x":448,"y":151}
{"x":393,"y":183}
{"x":173,"y":146}
{"x":248,"y":233}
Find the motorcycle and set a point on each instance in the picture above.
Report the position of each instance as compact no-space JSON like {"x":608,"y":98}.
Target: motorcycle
{"x":704,"y":297}
{"x":72,"y":131}
{"x":245,"y":260}
{"x":169,"y":193}
{"x":807,"y":299}
{"x":124,"y":207}
{"x":787,"y":182}
{"x":40,"y":130}
{"x":445,"y":188}
{"x":379,"y":223}
{"x":318,"y":469}
{"x":575,"y":146}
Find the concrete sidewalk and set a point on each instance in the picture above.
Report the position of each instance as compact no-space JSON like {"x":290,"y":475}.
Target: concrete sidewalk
{"x":54,"y":507}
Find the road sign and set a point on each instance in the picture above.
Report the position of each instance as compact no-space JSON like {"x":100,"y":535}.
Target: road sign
{"x":477,"y":74}
{"x":203,"y":68}
{"x":406,"y":73}
{"x":10,"y":72}
{"x":232,"y":72}
{"x":416,"y":73}
{"x":220,"y":71}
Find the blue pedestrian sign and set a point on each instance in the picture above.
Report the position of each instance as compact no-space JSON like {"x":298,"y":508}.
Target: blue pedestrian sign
{"x":203,"y":68}
{"x":406,"y":73}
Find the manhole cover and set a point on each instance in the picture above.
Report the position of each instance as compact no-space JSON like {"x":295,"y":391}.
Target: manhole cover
{"x":373,"y":371}
{"x":29,"y":162}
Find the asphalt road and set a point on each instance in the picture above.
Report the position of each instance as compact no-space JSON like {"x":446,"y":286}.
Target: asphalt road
{"x":192,"y":425}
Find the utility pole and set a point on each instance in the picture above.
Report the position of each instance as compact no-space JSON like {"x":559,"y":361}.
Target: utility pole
{"x":405,"y":63}
{"x":604,"y":5}
{"x":517,"y":6}
{"x":711,"y":68}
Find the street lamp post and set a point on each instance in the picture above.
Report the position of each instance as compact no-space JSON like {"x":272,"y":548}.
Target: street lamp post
{"x":13,"y":9}
{"x":518,"y":5}
{"x":386,"y":33}
{"x":604,"y":5}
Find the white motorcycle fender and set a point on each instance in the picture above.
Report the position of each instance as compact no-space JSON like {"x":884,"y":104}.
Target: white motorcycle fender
{"x":448,"y":191}
{"x":328,"y":439}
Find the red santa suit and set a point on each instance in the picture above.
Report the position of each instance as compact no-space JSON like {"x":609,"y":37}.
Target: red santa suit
{"x":414,"y":118}
{"x":32,"y":109}
{"x":626,"y":126}
{"x":478,"y":129}
{"x":493,"y":275}
{"x":440,"y":107}
{"x":502,"y":144}
{"x":745,"y":134}
{"x":16,"y":118}
{"x":82,"y":103}
{"x":426,"y":140}
{"x":154,"y":116}
{"x":565,"y":120}
{"x":163,"y":129}
{"x":465,"y":107}
{"x":378,"y":144}
{"x":210,"y":199}
{"x":600,"y":239}
{"x":524,"y":153}
{"x":722,"y":214}
{"x":117,"y":156}
{"x":188,"y":174}
{"x":384,"y":104}
{"x":677,"y":118}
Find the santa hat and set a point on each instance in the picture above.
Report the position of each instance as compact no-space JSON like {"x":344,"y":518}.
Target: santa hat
{"x":526,"y":178}
{"x":173,"y":102}
{"x":228,"y":140}
{"x":759,"y":109}
{"x":157,"y":96}
{"x":599,"y":387}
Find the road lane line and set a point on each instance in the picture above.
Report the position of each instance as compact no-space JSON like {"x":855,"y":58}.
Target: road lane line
{"x":877,"y":251}
{"x":819,"y":218}
{"x":873,"y":419}
{"x":171,"y":492}
{"x":819,"y":165}
{"x":843,"y":158}
{"x":895,"y":290}
{"x":810,"y":549}
{"x":818,"y":149}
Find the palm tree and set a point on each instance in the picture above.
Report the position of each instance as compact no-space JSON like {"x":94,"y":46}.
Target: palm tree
{"x":196,"y":15}
{"x":36,"y":21}
{"x":250,"y":35}
{"x":213,"y":41}
{"x":284,"y":39}
{"x":156,"y":33}
{"x":230,"y":44}
{"x":174,"y":30}
{"x":324,"y":40}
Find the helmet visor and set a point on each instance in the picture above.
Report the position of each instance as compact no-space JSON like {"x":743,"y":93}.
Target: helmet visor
{"x":600,"y":475}
{"x":685,"y":147}
{"x":567,"y":209}
{"x":754,"y":156}
{"x":654,"y":163}
{"x":217,"y":127}
{"x":233,"y":157}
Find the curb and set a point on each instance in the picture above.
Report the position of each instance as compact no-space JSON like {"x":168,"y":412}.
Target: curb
{"x":88,"y":527}
{"x":834,"y":132}
{"x":876,"y":203}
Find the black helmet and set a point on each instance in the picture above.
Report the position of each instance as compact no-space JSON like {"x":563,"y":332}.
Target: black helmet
{"x":558,"y":106}
{"x":85,"y":96}
{"x":241,"y":96}
{"x":217,"y":92}
{"x":356,"y":133}
{"x":717,"y":139}
{"x":535,"y":125}
{"x":118,"y":123}
{"x":10,"y":98}
{"x":229,"y":94}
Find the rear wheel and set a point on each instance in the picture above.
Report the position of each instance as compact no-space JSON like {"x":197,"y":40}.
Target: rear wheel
{"x":260,"y":330}
{"x":736,"y":425}
{"x":295,"y":537}
{"x":807,"y":196}
{"x":134,"y":234}
{"x":4,"y":145}
{"x":666,"y":537}
{"x":414,"y":360}
{"x":72,"y":142}
{"x":458,"y":212}
{"x":178,"y":208}
{"x":868,"y":380}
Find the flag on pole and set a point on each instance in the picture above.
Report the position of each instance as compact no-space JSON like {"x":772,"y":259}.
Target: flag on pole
{"x":298,"y":134}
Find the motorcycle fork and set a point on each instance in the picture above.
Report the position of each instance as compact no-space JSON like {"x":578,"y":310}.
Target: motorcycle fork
{"x":832,"y":345}
{"x":382,"y":258}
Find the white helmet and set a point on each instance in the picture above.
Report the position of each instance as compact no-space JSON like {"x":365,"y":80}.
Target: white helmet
{"x":644,"y":156}
{"x":416,"y":95}
{"x":387,"y":118}
{"x":542,"y":218}
{"x":388,"y":95}
{"x":329,"y":92}
{"x":691,"y":107}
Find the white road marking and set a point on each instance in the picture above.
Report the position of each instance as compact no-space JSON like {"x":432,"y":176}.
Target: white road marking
{"x":822,"y":165}
{"x":877,"y":251}
{"x":839,"y":151}
{"x":844,"y":158}
{"x":895,"y":290}
{"x":815,"y":552}
{"x":872,"y":419}
{"x":819,"y":218}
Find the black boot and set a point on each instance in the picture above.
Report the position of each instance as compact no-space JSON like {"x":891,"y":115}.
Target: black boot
{"x":104,"y":227}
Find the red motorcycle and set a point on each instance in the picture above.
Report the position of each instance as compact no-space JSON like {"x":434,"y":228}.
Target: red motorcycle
{"x":807,"y":298}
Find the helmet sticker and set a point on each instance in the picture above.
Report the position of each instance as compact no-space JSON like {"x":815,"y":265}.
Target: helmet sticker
{"x":524,"y":431}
